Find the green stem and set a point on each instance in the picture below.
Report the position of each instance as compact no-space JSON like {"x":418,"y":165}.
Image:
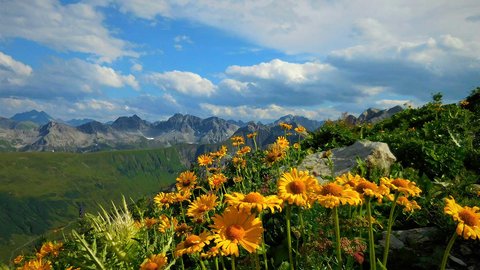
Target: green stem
{"x":337,"y":237}
{"x":264,"y":249}
{"x":216,"y":264}
{"x":389,"y":229}
{"x":371,"y":242}
{"x":202,"y":265}
{"x":223,"y":263}
{"x":289,"y":238}
{"x":233,"y":262}
{"x":447,"y":251}
{"x":257,"y":261}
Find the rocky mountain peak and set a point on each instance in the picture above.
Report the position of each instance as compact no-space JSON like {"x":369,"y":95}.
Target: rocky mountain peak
{"x":39,"y":117}
{"x":130,"y":123}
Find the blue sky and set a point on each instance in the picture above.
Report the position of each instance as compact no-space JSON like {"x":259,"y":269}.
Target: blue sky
{"x":243,"y":60}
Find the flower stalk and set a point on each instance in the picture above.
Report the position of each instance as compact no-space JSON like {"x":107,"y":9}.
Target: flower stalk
{"x":337,"y":237}
{"x":447,"y":250}
{"x":389,"y":229}
{"x":371,"y":242}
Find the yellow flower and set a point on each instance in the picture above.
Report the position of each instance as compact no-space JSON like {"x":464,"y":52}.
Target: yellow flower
{"x":409,"y":206}
{"x":296,"y":145}
{"x":186,"y":181}
{"x":283,"y":142}
{"x":181,"y":196}
{"x":404,"y":186}
{"x":37,"y":264}
{"x":220,"y":153}
{"x":202,"y":205}
{"x":234,"y":228}
{"x":274,"y":153}
{"x":212,"y":252}
{"x":204,"y":160}
{"x":239,"y":162}
{"x":332,"y":195}
{"x":18,"y":259}
{"x":193,"y":244}
{"x":155,"y":262}
{"x":297,"y":187}
{"x":348,"y":179}
{"x":149,"y":222}
{"x":252,"y":135}
{"x":364,"y":187}
{"x":49,"y":248}
{"x":237,"y":140}
{"x":300,"y":129}
{"x":217,"y":180}
{"x":164,"y":223}
{"x":244,"y":150}
{"x":164,"y":199}
{"x":285,"y":126}
{"x":182,"y":229}
{"x":254,"y":200}
{"x":468,"y":219}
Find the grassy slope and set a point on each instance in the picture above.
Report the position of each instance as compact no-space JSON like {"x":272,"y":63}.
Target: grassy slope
{"x":41,"y":191}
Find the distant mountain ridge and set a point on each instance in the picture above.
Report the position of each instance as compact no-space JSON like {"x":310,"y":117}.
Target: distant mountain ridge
{"x":130,"y":132}
{"x":373,"y":115}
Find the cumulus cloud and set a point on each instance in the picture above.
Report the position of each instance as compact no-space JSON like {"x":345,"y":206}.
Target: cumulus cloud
{"x":12,"y":72}
{"x":187,"y":83}
{"x":69,"y":78}
{"x":73,"y":27}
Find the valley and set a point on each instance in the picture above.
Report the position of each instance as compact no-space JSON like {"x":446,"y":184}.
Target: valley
{"x":43,"y":191}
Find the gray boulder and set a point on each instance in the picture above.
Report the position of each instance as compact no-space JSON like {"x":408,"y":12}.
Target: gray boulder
{"x":374,"y":154}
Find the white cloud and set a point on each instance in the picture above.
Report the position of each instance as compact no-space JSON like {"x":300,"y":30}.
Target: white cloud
{"x":136,"y":67}
{"x":69,"y":78}
{"x":234,"y":85}
{"x":145,"y":9}
{"x":290,"y":73}
{"x":187,"y":83}
{"x":12,"y":72}
{"x":74,"y":27}
{"x":95,"y":104}
{"x":270,"y":112}
{"x":389,"y":103}
{"x":180,"y":41}
{"x":319,"y":26}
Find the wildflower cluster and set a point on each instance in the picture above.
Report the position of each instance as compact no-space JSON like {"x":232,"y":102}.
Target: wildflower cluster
{"x":236,"y":205}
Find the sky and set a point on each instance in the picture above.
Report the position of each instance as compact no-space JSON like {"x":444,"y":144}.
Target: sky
{"x":242,"y":60}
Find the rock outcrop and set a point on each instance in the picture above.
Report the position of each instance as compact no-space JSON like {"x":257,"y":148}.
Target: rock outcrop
{"x":342,"y":160}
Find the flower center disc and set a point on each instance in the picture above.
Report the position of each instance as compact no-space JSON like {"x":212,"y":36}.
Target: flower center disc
{"x":400,"y":183}
{"x":469,"y":217}
{"x":360,"y":188}
{"x":192,"y":240}
{"x":164,"y":200}
{"x":151,"y":266}
{"x":253,"y":197}
{"x":235,"y":232}
{"x":297,"y":187}
{"x":332,"y":189}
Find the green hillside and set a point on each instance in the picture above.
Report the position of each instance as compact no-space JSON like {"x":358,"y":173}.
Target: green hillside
{"x":42,"y":191}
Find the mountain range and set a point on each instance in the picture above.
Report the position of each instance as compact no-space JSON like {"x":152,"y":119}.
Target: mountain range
{"x":38,"y":131}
